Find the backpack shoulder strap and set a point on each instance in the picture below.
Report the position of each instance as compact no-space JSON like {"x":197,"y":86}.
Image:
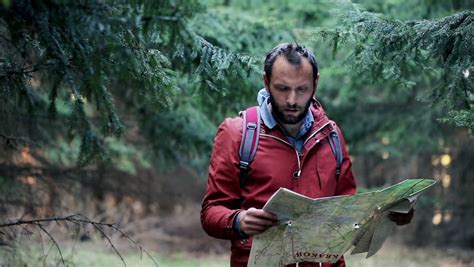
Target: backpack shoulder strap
{"x":335,"y":143}
{"x":249,"y":142}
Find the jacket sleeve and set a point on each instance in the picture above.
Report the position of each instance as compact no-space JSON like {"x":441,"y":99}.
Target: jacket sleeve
{"x":346,"y":184}
{"x":221,"y":201}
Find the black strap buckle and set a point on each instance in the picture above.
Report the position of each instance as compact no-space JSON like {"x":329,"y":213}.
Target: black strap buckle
{"x":244,"y":165}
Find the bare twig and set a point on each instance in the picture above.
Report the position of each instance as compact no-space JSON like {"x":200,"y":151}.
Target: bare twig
{"x":78,"y":219}
{"x":40,"y":226}
{"x":114,"y":227}
{"x":110,"y":242}
{"x":136,"y":244}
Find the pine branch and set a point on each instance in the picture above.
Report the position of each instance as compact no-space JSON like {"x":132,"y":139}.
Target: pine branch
{"x":7,"y":73}
{"x":399,"y":51}
{"x":14,"y":142}
{"x":131,"y":53}
{"x":162,"y":18}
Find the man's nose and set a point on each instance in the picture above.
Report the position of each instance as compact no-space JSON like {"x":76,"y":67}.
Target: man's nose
{"x":291,"y":98}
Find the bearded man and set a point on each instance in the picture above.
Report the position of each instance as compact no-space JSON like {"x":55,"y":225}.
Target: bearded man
{"x":293,"y":152}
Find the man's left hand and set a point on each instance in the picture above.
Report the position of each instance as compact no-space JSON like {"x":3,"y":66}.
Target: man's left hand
{"x":401,"y":218}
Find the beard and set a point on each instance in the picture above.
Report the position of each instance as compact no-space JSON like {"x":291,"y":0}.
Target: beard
{"x":278,"y":111}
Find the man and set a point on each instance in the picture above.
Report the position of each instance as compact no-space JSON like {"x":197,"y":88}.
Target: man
{"x":293,"y":152}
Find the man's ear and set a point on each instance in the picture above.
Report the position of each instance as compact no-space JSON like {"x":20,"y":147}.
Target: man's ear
{"x":266,"y":82}
{"x":316,"y":81}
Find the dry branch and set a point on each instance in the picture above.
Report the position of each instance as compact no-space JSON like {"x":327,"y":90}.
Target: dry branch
{"x":78,"y":219}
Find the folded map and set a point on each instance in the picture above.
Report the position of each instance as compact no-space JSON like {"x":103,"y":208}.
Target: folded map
{"x":323,"y":229}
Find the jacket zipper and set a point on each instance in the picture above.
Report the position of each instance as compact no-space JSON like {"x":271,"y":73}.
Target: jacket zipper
{"x":299,"y":156}
{"x":277,"y":138}
{"x":315,"y":132}
{"x":297,"y":173}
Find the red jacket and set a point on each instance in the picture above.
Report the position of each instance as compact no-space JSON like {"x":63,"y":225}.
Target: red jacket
{"x":273,"y":167}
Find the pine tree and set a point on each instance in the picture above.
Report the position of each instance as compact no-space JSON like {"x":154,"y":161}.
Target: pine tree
{"x":85,"y":64}
{"x":403,"y":51}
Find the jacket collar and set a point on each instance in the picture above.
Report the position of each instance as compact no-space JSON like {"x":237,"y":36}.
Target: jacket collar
{"x":319,"y":115}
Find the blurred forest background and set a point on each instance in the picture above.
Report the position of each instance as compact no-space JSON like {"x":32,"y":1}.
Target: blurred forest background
{"x":108,"y":109}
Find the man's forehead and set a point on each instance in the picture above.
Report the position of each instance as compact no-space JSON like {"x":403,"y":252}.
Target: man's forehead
{"x":283,"y":68}
{"x":282,"y":61}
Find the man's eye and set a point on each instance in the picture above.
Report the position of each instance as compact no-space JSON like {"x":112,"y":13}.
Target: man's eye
{"x":283,"y":88}
{"x":301,"y":89}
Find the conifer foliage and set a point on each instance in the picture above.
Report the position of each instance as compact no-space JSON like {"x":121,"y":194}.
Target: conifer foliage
{"x":403,"y":51}
{"x":85,"y":62}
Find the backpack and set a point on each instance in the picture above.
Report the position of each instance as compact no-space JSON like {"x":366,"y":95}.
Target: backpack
{"x":249,"y":143}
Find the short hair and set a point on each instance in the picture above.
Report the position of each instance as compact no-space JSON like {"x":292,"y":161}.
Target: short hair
{"x":293,"y":54}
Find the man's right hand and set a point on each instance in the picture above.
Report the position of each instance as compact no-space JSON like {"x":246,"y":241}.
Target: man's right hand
{"x":255,"y":221}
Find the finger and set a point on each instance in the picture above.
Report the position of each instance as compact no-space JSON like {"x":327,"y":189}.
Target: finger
{"x":259,"y":213}
{"x":252,"y":232}
{"x":269,"y":216}
{"x":254,"y":229}
{"x":249,"y":220}
{"x":251,"y":223}
{"x":257,"y":228}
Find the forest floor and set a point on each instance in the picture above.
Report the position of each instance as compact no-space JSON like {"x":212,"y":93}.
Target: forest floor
{"x":178,"y":241}
{"x":96,"y":254}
